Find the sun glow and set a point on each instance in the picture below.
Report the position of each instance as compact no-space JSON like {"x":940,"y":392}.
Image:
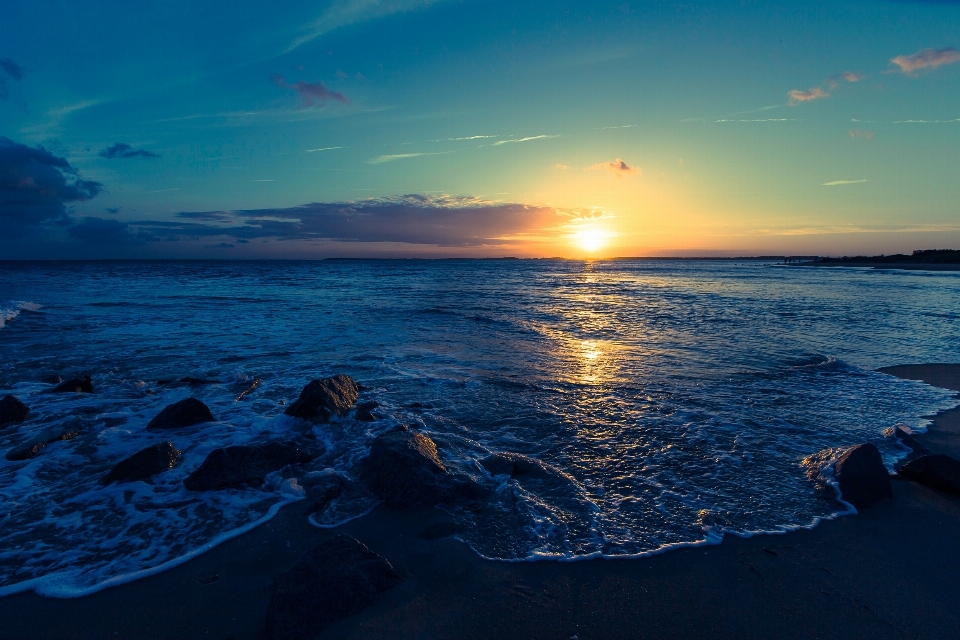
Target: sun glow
{"x":591,"y":239}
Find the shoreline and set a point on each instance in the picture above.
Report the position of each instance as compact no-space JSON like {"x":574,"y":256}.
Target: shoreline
{"x":886,"y":573}
{"x":903,"y":266}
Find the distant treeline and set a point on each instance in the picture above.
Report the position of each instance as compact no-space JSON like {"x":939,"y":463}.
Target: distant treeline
{"x":922,"y":256}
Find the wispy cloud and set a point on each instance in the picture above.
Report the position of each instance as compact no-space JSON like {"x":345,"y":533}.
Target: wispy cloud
{"x":462,"y":138}
{"x":124,"y":150}
{"x":616,"y":168}
{"x":859,"y":133}
{"x":560,"y":166}
{"x":816,"y":93}
{"x":322,"y":149}
{"x":8,"y":69}
{"x":836,"y":183}
{"x":846,"y":76}
{"x":312,"y":94}
{"x":347,"y":12}
{"x":759,"y":120}
{"x":622,"y":126}
{"x":926,"y":59}
{"x":925,"y":121}
{"x":527,"y":139}
{"x":164,"y":190}
{"x":402,"y":156}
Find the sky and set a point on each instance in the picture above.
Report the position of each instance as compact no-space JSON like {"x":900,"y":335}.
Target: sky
{"x":477,"y":128}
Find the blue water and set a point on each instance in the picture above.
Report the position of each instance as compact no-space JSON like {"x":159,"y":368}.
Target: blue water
{"x":675,"y":400}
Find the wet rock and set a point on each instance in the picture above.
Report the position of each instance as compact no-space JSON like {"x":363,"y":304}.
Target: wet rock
{"x":244,"y":465}
{"x":12,"y":411}
{"x":938,"y":471}
{"x":326,"y":490}
{"x":364,"y":411}
{"x":338,"y":578}
{"x":51,"y":379}
{"x":862,"y":478}
{"x":83,"y":384}
{"x":185,"y":413}
{"x":33,"y":447}
{"x":144,"y":463}
{"x":404,"y":470}
{"x":908,"y":440}
{"x":323,"y":397}
{"x":253,"y":387}
{"x":517,"y":465}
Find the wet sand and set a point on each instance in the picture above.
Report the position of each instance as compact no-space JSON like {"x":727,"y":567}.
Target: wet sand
{"x":891,"y":572}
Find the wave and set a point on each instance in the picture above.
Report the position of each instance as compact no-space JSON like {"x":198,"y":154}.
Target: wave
{"x":12,"y":309}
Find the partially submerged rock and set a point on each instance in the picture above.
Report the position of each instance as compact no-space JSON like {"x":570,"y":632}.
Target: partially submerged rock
{"x":404,"y":470}
{"x":937,"y":470}
{"x":517,"y":465}
{"x":250,"y":389}
{"x":12,"y":411}
{"x":323,"y":397}
{"x":328,"y":488}
{"x":365,"y":411}
{"x":862,"y":478}
{"x":83,"y":384}
{"x":144,"y":463}
{"x":185,"y":413}
{"x":338,"y":578}
{"x":33,"y":447}
{"x":51,"y":379}
{"x":908,"y":440}
{"x":244,"y":465}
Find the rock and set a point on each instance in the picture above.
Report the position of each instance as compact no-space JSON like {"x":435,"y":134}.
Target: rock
{"x":244,"y":465}
{"x":338,"y":578}
{"x":328,"y":489}
{"x":862,"y":477}
{"x":323,"y":397}
{"x":33,"y":447}
{"x":76,"y":385}
{"x":181,"y":414}
{"x":144,"y":463}
{"x":908,"y":440}
{"x":405,"y":471}
{"x":364,"y":411}
{"x":12,"y":411}
{"x":937,"y":470}
{"x":52,"y":379}
{"x":253,"y":386}
{"x":517,"y":465}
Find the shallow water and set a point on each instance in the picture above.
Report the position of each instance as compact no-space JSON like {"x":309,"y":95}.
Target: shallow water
{"x":673,"y":400}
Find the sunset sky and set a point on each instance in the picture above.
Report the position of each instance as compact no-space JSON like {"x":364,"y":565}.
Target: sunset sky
{"x":477,"y":128}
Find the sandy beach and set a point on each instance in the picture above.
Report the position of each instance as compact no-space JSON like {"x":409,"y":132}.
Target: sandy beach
{"x":889,"y":572}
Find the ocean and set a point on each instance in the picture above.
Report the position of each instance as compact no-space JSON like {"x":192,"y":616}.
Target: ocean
{"x":675,"y":402}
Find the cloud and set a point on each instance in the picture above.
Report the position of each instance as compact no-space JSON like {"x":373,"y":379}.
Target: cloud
{"x":500,"y":142}
{"x":102,"y":232}
{"x":840,"y":182}
{"x":797,"y":96}
{"x":8,"y":69}
{"x":123,"y":150}
{"x":926,"y":59}
{"x":858,"y":133}
{"x":846,"y":76}
{"x":347,"y":12}
{"x":560,"y":166}
{"x":36,"y":186}
{"x":312,"y":94}
{"x":322,"y":149}
{"x":616,"y":168}
{"x":402,"y":156}
{"x":450,"y":221}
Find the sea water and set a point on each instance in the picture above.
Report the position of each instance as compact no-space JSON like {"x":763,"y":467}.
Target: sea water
{"x":673,"y":401}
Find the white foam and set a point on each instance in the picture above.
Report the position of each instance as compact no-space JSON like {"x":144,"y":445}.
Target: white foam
{"x":10,"y":310}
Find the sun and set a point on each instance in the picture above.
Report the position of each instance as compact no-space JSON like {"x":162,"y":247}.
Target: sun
{"x":590,"y":239}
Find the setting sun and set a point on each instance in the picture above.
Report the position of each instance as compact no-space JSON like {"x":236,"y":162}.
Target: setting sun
{"x":590,"y":239}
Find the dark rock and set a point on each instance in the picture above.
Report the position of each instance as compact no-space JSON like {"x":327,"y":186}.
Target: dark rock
{"x":364,"y":411}
{"x":328,"y":489}
{"x":338,"y":578}
{"x":908,"y":440}
{"x":196,"y":381}
{"x":144,"y":463}
{"x":244,"y":465}
{"x":862,"y":477}
{"x":253,"y":386}
{"x":181,"y":414}
{"x":323,"y":397}
{"x":419,"y":405}
{"x":33,"y":447}
{"x":517,"y":465}
{"x":12,"y":411}
{"x":937,"y":470}
{"x":405,"y":471}
{"x":76,"y":385}
{"x":439,"y":530}
{"x":51,"y":379}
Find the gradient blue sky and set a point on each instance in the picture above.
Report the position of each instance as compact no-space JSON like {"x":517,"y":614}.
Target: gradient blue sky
{"x":460,"y":127}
